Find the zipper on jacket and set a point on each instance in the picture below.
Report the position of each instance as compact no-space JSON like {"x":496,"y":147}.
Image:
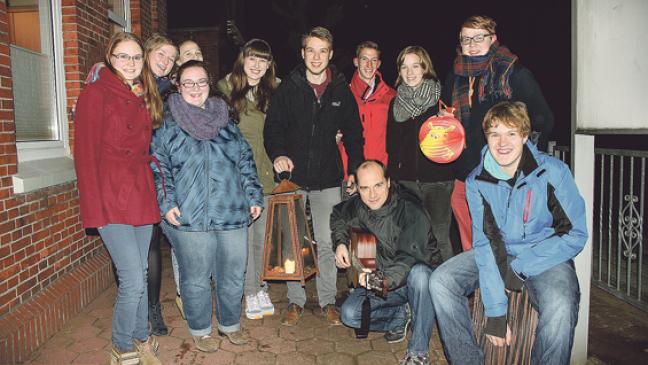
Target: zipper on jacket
{"x":205,"y":221}
{"x":316,"y":104}
{"x":526,"y":212}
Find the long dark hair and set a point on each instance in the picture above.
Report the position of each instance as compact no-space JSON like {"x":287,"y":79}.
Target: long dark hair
{"x":151,"y":96}
{"x":238,"y":79}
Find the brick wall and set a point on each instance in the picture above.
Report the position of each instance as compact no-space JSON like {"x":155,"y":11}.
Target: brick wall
{"x":141,"y":17}
{"x":159,"y":15}
{"x":7,"y":128}
{"x":49,"y":267}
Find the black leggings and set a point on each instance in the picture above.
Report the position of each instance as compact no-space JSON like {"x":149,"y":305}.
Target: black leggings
{"x":154,"y":267}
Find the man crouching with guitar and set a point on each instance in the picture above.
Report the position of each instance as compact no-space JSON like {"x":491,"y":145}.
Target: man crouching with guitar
{"x":406,"y":255}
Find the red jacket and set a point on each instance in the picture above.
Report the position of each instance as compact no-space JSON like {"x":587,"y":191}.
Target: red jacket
{"x":373,"y":114}
{"x":112,"y":136}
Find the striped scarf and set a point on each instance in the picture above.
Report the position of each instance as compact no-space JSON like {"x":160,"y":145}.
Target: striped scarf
{"x":411,"y":102}
{"x":495,"y":69}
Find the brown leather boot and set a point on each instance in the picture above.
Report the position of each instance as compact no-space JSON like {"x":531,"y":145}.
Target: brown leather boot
{"x":292,"y":315}
{"x":332,"y":315}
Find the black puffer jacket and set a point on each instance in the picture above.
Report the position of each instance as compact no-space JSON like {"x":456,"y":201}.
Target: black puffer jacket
{"x":300,"y":126}
{"x":402,"y":229}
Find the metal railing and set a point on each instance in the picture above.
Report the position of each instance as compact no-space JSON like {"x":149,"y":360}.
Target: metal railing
{"x":620,"y":265}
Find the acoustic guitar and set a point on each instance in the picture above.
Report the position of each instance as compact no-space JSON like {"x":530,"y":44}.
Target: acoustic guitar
{"x":363,"y":253}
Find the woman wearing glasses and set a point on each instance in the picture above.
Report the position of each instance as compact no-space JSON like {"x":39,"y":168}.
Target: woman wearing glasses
{"x":160,"y":55}
{"x":189,"y":50}
{"x":208,"y":192}
{"x":485,"y":73}
{"x":115,"y":114}
{"x":249,"y":88}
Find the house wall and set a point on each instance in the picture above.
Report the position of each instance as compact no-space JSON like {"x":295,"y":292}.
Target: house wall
{"x":50,"y":268}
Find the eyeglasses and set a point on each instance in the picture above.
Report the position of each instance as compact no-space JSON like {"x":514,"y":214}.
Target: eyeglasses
{"x":127,"y":58}
{"x":477,"y":38}
{"x":190,"y":84}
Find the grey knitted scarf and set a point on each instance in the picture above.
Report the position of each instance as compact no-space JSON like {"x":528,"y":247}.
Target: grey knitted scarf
{"x":201,"y":124}
{"x":411,"y":102}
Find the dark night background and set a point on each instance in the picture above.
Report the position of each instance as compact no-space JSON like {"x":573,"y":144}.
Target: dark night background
{"x":539,"y":32}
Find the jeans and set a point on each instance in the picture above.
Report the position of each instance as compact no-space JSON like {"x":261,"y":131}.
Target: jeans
{"x":436,"y":200}
{"x":322,"y":202}
{"x":220,"y":255}
{"x":554,"y":294}
{"x":128,"y":247}
{"x":389,"y":313}
{"x":256,"y":237}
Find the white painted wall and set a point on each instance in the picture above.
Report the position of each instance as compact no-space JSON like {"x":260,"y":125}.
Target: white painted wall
{"x":609,"y":95}
{"x":583,"y":169}
{"x":612,"y":72}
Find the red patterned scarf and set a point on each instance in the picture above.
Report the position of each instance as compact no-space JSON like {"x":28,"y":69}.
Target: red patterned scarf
{"x":495,"y":69}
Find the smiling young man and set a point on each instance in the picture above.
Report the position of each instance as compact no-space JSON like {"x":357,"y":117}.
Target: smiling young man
{"x":485,"y":73}
{"x":406,"y":256}
{"x":306,"y":111}
{"x":528,"y":222}
{"x":373,"y":95}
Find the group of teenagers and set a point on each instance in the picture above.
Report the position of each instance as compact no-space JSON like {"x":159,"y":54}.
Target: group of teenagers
{"x":160,"y":149}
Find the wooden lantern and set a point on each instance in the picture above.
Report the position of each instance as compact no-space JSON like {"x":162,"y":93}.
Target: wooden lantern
{"x":288,"y":250}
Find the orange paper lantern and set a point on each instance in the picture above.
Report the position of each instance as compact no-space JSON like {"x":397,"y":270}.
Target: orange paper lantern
{"x":442,"y":139}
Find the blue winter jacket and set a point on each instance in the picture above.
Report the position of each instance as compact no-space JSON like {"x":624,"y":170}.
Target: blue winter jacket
{"x":212,"y":182}
{"x":536,"y":224}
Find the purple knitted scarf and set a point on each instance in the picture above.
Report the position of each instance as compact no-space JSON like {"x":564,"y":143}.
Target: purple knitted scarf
{"x":201,"y":124}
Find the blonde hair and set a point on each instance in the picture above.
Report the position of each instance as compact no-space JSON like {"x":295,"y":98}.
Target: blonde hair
{"x":511,"y":114}
{"x":156,"y":41}
{"x":426,"y":62}
{"x":151,"y":95}
{"x":320,"y":33}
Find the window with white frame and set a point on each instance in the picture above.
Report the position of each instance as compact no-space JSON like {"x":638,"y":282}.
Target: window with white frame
{"x":119,"y":14}
{"x":38,"y":78}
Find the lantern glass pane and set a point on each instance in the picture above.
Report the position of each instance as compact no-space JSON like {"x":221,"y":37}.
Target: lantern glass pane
{"x":281,"y":252}
{"x":305,"y":238}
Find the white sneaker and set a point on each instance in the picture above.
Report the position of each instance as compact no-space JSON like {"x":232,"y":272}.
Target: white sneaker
{"x":252,"y":309}
{"x":265,"y":305}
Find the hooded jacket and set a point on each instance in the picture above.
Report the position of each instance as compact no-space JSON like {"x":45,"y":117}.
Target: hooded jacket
{"x":534,"y":221}
{"x":302,"y":127}
{"x":402,"y":229}
{"x":112,"y":136}
{"x":373,"y":115}
{"x":212,"y":182}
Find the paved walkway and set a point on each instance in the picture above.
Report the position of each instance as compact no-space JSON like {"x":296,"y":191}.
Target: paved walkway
{"x":86,"y":339}
{"x":618,"y":335}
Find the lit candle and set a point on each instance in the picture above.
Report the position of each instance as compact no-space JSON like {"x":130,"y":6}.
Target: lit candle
{"x":289,"y":266}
